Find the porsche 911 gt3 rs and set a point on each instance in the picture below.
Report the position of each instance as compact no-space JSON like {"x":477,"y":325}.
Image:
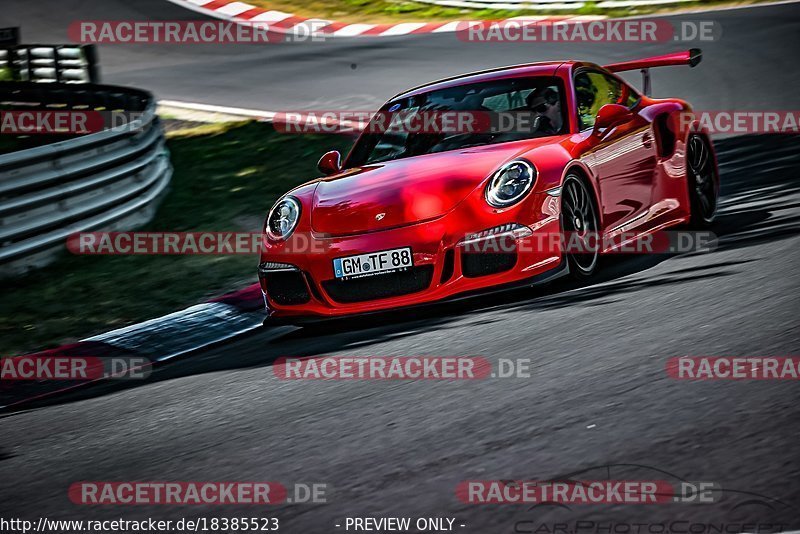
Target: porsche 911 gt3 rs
{"x":400,"y":220}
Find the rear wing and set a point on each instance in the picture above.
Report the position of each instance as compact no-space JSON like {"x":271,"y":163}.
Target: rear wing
{"x":691,"y":58}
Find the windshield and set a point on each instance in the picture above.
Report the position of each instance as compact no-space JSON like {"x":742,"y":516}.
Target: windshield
{"x":467,"y":115}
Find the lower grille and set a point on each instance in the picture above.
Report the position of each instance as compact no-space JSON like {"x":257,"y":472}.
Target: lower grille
{"x":380,"y":286}
{"x":485,"y":263}
{"x":285,"y":287}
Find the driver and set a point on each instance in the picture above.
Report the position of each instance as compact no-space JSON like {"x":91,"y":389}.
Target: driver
{"x":547,"y":107}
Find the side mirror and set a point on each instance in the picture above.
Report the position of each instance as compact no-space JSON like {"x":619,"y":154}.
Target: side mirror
{"x":330,"y":163}
{"x":611,"y":115}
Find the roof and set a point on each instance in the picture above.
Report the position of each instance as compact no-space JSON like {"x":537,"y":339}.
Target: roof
{"x":547,"y":68}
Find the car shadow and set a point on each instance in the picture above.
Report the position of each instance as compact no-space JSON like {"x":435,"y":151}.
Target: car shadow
{"x":759,"y":204}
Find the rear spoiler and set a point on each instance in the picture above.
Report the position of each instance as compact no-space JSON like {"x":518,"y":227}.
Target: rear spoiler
{"x":691,"y":57}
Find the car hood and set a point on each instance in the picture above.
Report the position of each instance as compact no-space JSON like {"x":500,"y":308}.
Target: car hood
{"x":405,"y":191}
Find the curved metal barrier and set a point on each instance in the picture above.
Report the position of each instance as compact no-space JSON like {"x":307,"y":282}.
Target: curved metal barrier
{"x":109,"y":180}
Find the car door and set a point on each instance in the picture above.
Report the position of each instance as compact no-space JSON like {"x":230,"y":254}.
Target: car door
{"x":624,"y":157}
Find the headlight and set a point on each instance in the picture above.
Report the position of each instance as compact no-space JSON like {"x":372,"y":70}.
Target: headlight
{"x":283,"y":218}
{"x":510,"y":183}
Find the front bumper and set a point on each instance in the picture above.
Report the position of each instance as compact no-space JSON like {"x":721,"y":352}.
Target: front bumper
{"x":299,"y":281}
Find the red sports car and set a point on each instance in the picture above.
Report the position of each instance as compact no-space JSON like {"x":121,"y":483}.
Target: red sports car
{"x":411,"y":217}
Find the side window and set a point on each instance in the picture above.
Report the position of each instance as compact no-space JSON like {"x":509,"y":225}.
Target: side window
{"x":594,"y":90}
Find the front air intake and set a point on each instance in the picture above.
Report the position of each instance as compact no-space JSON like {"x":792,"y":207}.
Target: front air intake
{"x":380,"y":286}
{"x":284,"y":284}
{"x":475,"y":264}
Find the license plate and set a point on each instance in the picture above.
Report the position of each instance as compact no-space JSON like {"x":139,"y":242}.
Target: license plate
{"x":384,"y":262}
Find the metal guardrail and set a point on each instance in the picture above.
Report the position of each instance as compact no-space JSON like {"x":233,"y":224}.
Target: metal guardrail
{"x":110,"y":180}
{"x":548,"y":4}
{"x":50,"y":63}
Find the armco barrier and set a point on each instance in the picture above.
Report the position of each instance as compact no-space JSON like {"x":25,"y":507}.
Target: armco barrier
{"x":50,"y":63}
{"x":111,"y":179}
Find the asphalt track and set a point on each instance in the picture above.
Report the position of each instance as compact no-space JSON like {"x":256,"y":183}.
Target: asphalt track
{"x":598,"y":395}
{"x":753,"y":65}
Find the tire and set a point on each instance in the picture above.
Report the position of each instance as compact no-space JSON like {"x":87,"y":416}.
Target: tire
{"x":578,"y":219}
{"x":702,"y":181}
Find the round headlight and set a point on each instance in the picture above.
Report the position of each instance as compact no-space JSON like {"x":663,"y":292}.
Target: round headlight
{"x":283,"y":218}
{"x":510,"y":183}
